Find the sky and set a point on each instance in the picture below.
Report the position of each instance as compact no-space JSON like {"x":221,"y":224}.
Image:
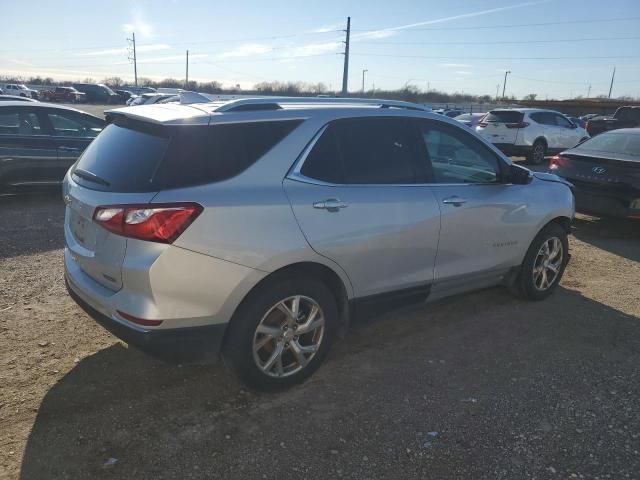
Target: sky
{"x":553,"y":48}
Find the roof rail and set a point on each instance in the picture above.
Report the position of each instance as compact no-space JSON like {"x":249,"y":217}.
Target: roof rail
{"x":272,"y":103}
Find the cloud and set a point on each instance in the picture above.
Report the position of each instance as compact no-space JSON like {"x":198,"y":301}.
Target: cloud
{"x":387,"y":32}
{"x":463,"y":72}
{"x":18,"y":62}
{"x":124,"y":50}
{"x":455,"y":65}
{"x":138,"y":25}
{"x":316,"y":48}
{"x":168,"y":58}
{"x":328,"y":28}
{"x":247,"y":50}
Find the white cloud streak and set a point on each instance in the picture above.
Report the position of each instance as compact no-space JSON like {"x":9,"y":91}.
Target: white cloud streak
{"x":124,"y":50}
{"x":247,"y":50}
{"x":455,"y":65}
{"x":138,"y":25}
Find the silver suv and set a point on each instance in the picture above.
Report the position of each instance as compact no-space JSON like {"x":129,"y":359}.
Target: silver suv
{"x":257,"y":228}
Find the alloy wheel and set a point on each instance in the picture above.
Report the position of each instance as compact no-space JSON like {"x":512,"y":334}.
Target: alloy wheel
{"x":288,"y":336}
{"x":548,"y":263}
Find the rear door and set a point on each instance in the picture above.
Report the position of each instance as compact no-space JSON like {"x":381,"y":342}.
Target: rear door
{"x":568,"y":134}
{"x":73,"y":132}
{"x":357,"y":199}
{"x":28,"y":153}
{"x":117,"y":168}
{"x":483,"y":219}
{"x":500,"y":126}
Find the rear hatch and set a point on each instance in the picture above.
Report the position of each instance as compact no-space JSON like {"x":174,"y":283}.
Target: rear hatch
{"x":116,"y":168}
{"x":501,"y":126}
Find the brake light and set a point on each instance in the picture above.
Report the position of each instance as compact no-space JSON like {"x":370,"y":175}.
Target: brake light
{"x":517,"y":125}
{"x":558,"y":161}
{"x":152,"y":222}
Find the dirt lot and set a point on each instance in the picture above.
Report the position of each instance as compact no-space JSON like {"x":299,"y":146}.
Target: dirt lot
{"x":481,"y":386}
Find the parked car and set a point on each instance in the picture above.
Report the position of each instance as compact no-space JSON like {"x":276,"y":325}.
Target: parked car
{"x":98,"y":93}
{"x":13,"y":98}
{"x":530,"y":132}
{"x":449,"y":112}
{"x":63,"y":94}
{"x":40,"y":141}
{"x":577,"y":120}
{"x":470,"y":119}
{"x":151,"y":98}
{"x":606,"y":173}
{"x":258,"y":227}
{"x":589,"y":116}
{"x":20,"y":90}
{"x":139,"y":90}
{"x":124,"y":95}
{"x":624,"y":117}
{"x":1,"y":92}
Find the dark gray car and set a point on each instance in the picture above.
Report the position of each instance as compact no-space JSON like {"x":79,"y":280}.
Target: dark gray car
{"x":40,"y":141}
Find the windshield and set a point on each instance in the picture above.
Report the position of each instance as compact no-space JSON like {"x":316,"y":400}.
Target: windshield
{"x":613,"y":142}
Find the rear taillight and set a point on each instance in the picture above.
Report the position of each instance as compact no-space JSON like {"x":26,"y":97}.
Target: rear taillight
{"x":152,"y":222}
{"x":482,"y":124}
{"x":517,"y":125}
{"x":558,"y":161}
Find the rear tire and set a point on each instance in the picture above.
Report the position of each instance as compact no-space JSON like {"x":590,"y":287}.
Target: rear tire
{"x":544,"y":264}
{"x":271,"y":346}
{"x":538,"y":152}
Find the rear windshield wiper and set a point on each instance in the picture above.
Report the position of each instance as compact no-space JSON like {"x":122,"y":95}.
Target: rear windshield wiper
{"x":91,"y":177}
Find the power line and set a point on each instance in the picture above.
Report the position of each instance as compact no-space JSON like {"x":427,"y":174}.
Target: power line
{"x":454,"y":57}
{"x":513,"y":25}
{"x":518,"y":42}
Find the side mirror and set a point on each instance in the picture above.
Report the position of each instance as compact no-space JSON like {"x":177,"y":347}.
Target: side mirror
{"x":518,"y":175}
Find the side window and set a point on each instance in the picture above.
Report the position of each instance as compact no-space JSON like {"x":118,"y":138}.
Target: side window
{"x":562,"y":121}
{"x":71,"y":124}
{"x":457,"y":157}
{"x":357,"y":151}
{"x":29,"y":124}
{"x":324,"y":162}
{"x":9,"y":123}
{"x":537,"y":117}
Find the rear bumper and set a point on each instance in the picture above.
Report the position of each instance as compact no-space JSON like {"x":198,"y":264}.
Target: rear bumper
{"x":173,"y":344}
{"x":605,"y":202}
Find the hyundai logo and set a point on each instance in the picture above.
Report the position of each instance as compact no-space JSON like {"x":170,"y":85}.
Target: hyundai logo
{"x":598,"y":170}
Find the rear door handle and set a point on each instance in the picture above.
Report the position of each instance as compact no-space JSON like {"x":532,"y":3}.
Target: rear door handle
{"x":331,"y":204}
{"x":455,"y":201}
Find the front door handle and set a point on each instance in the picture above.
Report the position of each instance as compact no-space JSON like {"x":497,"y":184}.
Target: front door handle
{"x":455,"y":201}
{"x":331,"y":204}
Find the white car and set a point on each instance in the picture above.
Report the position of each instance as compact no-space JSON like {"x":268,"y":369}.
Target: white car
{"x":530,"y":132}
{"x":471,"y":120}
{"x":19,"y":90}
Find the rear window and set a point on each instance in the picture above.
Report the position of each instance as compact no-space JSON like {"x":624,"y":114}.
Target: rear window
{"x":151,"y":158}
{"x":621,"y":143}
{"x":504,"y":116}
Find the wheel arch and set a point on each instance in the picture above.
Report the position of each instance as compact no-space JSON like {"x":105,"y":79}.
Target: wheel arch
{"x":319,"y":271}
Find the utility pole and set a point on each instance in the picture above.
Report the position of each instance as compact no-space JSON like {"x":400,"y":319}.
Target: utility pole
{"x":132,"y":41}
{"x":589,"y":91}
{"x":363,"y":72}
{"x":497,"y":91}
{"x":504,"y":85}
{"x":345,"y":73}
{"x":612,"y":77}
{"x":186,"y":81}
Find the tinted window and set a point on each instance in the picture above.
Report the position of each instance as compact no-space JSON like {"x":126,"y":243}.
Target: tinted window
{"x":324,"y":161}
{"x":503,"y":116}
{"x":72,"y":124}
{"x":19,"y":122}
{"x":9,"y":122}
{"x":457,"y":157}
{"x":124,"y":158}
{"x":623,"y":143}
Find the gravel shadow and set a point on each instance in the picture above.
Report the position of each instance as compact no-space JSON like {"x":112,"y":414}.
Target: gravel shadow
{"x":476,"y":386}
{"x":610,"y":234}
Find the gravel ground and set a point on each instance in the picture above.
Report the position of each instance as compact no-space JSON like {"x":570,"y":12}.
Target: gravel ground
{"x":480,"y":386}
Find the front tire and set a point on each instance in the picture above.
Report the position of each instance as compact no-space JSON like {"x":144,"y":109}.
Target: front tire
{"x":282,"y":332}
{"x":538,"y":152}
{"x":544,"y":263}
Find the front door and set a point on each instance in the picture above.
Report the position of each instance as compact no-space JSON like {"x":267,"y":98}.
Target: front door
{"x":483,"y":219}
{"x":357,"y":200}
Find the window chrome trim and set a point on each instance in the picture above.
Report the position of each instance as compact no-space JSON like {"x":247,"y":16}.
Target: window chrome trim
{"x":296,"y":175}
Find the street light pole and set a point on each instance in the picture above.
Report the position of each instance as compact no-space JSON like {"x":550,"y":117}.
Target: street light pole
{"x":504,"y":86}
{"x":363,"y":72}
